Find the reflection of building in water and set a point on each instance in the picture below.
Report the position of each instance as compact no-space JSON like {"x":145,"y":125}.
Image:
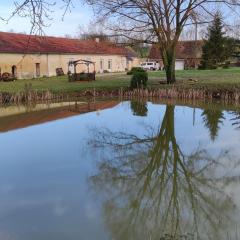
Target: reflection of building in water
{"x":17,"y":117}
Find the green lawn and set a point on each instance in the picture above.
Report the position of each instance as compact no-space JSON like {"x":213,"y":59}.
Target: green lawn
{"x":221,"y":78}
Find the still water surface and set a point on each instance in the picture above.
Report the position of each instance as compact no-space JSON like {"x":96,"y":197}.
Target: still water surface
{"x":134,"y":171}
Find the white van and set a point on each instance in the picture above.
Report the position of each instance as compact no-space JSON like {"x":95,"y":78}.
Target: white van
{"x":150,"y":66}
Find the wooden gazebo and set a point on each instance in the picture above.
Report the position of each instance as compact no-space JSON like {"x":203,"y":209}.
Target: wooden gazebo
{"x":83,"y":76}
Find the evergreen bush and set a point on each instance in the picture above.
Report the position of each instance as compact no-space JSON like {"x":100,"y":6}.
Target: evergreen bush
{"x":135,"y":69}
{"x":139,"y":80}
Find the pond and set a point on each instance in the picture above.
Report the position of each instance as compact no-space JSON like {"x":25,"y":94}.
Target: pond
{"x":132,"y":170}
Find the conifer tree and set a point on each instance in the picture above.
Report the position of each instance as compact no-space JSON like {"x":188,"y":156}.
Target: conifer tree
{"x":213,"y":51}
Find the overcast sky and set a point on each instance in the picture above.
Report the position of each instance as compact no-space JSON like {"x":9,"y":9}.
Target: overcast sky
{"x":80,"y":15}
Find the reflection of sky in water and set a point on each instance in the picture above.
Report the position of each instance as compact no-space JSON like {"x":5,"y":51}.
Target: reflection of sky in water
{"x":44,"y":192}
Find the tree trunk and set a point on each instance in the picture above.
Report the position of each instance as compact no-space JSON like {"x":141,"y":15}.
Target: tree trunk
{"x":169,"y":65}
{"x":170,"y":72}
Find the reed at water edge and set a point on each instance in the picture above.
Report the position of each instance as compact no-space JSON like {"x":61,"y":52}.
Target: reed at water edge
{"x":29,"y":95}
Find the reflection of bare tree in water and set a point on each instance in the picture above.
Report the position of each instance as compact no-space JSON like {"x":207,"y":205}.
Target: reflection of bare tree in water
{"x":155,"y":191}
{"x":236,"y":119}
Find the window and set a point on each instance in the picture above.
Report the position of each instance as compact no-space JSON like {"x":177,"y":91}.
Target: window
{"x":101,"y":64}
{"x":109,"y":64}
{"x":38,"y":73}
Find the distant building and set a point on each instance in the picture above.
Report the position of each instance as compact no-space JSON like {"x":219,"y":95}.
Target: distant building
{"x":188,"y":54}
{"x":27,"y":56}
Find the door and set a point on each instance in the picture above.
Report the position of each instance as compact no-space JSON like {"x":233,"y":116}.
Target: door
{"x":179,"y":65}
{"x":14,"y":71}
{"x":38,"y":72}
{"x":110,"y":65}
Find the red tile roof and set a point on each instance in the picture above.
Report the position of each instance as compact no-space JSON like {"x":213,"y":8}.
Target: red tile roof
{"x":21,"y":43}
{"x":185,"y":50}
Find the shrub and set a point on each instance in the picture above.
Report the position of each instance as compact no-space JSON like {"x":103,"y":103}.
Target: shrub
{"x":200,"y":67}
{"x":139,"y":80}
{"x":138,"y":69}
{"x":213,"y":67}
{"x":135,"y":69}
{"x":226,"y":65}
{"x":237,"y":63}
{"x":207,"y":67}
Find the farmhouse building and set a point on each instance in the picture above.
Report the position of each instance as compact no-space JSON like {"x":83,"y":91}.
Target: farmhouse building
{"x":188,"y":54}
{"x":27,"y":56}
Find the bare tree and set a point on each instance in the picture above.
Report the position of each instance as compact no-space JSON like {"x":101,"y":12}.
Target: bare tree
{"x":188,"y":34}
{"x":99,"y":30}
{"x":161,"y":21}
{"x":233,"y":30}
{"x":37,"y":11}
{"x":92,"y":31}
{"x":156,"y":21}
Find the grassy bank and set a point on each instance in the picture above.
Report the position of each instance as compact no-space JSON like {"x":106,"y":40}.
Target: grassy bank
{"x":210,"y":79}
